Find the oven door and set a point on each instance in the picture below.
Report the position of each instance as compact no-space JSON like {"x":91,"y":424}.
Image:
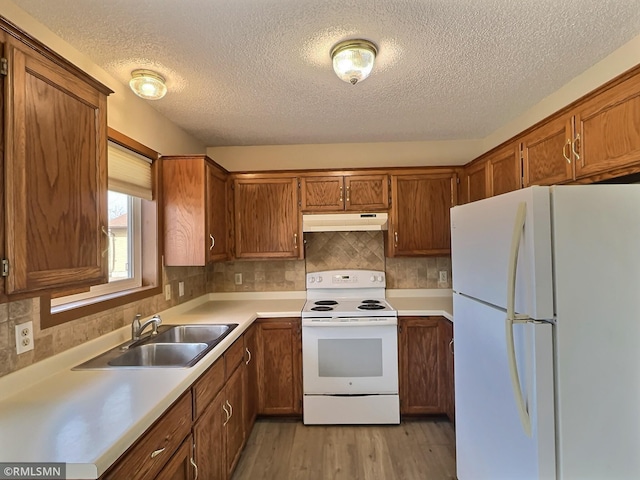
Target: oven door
{"x":347,"y":359}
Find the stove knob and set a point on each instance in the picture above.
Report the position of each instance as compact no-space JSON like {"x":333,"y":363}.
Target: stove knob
{"x":380,"y":278}
{"x":373,"y":278}
{"x":319,"y":279}
{"x":312,"y":279}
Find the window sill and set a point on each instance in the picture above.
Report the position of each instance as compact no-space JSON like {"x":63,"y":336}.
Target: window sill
{"x":52,"y":316}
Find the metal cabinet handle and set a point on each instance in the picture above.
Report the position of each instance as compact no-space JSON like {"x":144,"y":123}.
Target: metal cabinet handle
{"x":340,"y":193}
{"x":213,"y":242}
{"x":195,"y":467}
{"x":573,"y":148}
{"x":230,"y":409}
{"x":295,"y":240}
{"x":348,"y":194}
{"x":155,"y":453}
{"x":395,"y":236}
{"x":451,"y":346}
{"x":249,"y":354}
{"x":228,"y":415}
{"x":564,"y":150}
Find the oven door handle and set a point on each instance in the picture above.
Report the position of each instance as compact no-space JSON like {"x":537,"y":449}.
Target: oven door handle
{"x":359,"y":323}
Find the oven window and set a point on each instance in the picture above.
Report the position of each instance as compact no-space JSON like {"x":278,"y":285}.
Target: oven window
{"x":351,"y":357}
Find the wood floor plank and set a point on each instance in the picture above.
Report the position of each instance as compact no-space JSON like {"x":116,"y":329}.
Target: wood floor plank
{"x":285,"y":449}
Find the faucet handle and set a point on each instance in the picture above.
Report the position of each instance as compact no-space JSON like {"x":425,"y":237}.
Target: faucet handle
{"x":136,"y":320}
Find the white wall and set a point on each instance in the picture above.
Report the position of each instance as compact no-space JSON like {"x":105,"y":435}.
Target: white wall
{"x":126,"y":112}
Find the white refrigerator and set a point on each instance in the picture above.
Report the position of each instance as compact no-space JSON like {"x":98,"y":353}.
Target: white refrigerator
{"x":546,"y":313}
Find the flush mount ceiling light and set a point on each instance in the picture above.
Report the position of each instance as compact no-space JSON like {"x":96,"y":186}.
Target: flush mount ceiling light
{"x":147,"y":84}
{"x":353,"y":60}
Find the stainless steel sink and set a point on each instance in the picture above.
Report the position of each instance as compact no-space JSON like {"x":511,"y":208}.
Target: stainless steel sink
{"x":160,"y":355}
{"x":176,"y":346}
{"x":193,"y":334}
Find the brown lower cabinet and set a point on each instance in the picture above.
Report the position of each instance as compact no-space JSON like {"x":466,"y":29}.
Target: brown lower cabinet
{"x":181,"y":466}
{"x":426,"y":377}
{"x":279,"y":366}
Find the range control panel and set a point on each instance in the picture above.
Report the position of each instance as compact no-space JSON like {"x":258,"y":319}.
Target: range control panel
{"x":346,"y":279}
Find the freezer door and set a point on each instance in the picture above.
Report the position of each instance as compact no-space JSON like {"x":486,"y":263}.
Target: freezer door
{"x":491,"y":443}
{"x":481,"y":234}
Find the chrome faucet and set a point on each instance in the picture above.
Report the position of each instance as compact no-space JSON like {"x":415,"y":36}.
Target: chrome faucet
{"x":137,"y":328}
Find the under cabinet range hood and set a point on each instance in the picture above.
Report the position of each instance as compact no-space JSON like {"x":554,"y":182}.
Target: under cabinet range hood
{"x":344,"y":222}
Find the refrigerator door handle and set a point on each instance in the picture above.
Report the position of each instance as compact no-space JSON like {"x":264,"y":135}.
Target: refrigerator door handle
{"x":512,"y":318}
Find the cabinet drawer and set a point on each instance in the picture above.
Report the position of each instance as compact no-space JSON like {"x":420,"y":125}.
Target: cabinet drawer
{"x":233,"y":356}
{"x":146,"y":458}
{"x":207,"y":387}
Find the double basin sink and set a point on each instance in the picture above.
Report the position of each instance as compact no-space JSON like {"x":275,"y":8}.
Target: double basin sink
{"x":177,"y":346}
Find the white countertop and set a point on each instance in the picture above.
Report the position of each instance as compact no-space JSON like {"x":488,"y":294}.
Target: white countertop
{"x":87,"y":419}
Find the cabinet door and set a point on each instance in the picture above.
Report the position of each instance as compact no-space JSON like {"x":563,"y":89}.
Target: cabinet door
{"x":420,"y":368}
{"x":181,"y":466}
{"x":279,"y":366}
{"x":446,"y":356}
{"x":251,"y":379}
{"x":183,"y":196}
{"x":267,"y":218}
{"x":320,"y":194}
{"x":421,"y":223}
{"x":505,"y":169}
{"x":195,"y":211}
{"x":546,"y":153}
{"x":216,"y":207}
{"x":235,"y":425}
{"x":365,"y":193}
{"x":477,"y":182}
{"x":56,"y":175}
{"x":209,"y":436}
{"x":153,"y":450}
{"x":608,"y":129}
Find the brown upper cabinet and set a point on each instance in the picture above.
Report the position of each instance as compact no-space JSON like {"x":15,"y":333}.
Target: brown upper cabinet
{"x":598,"y":134}
{"x":55,"y":169}
{"x":607,"y":129}
{"x":475,"y":182}
{"x":420,"y":223}
{"x":546,"y":153}
{"x":195,"y":211}
{"x":267,"y":223}
{"x":504,"y":169}
{"x":361,"y":193}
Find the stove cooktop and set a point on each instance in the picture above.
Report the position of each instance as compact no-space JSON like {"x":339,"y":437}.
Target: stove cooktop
{"x":348,"y":307}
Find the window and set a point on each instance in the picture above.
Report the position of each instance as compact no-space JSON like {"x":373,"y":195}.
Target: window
{"x":130,"y":183}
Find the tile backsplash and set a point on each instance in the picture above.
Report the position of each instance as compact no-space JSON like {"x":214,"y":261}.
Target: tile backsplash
{"x":330,"y":251}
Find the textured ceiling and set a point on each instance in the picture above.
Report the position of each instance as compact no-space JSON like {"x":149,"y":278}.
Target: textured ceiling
{"x":258,"y":72}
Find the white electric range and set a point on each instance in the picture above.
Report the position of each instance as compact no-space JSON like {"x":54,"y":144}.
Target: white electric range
{"x":349,"y":349}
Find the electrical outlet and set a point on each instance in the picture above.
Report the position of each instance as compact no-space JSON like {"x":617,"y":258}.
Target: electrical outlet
{"x":443,"y":276}
{"x":167,"y":292}
{"x":24,"y":337}
{"x":181,"y":289}
{"x":238,"y":279}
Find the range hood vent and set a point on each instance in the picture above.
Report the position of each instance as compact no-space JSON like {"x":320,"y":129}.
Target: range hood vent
{"x":345,"y":222}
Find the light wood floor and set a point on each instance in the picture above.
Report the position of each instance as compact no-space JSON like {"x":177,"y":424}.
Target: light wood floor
{"x":284,"y":449}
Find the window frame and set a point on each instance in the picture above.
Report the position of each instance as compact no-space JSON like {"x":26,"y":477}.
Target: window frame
{"x":151,"y":253}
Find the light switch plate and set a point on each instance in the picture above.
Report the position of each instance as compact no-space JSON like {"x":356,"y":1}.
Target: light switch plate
{"x":181,"y":289}
{"x":443,"y":276}
{"x":167,"y":292}
{"x":238,"y":279}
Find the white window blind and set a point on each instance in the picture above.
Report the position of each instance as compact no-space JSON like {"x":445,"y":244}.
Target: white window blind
{"x":129,"y":172}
